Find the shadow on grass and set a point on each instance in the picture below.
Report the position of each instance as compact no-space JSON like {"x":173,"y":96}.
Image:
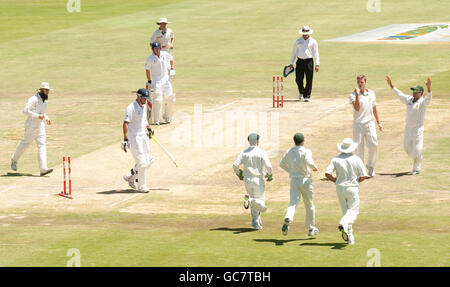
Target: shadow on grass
{"x":234,"y":230}
{"x":398,"y":174}
{"x":279,"y":242}
{"x":19,"y":174}
{"x":129,"y":190}
{"x":334,"y":245}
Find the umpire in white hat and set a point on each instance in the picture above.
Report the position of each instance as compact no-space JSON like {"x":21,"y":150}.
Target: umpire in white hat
{"x":305,"y":52}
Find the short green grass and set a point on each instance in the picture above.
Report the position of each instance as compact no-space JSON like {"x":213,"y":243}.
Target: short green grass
{"x":224,"y":50}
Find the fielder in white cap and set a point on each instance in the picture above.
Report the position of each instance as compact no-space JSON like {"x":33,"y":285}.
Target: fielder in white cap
{"x":305,"y":50}
{"x":298,"y":162}
{"x":365,"y":111}
{"x":350,"y":171}
{"x":35,"y":129}
{"x":163,"y":35}
{"x":256,"y":164}
{"x":416,"y":106}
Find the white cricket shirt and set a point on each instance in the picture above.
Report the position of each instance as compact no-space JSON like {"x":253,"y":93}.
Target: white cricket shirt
{"x":35,"y":106}
{"x":163,"y":38}
{"x":415,"y":112}
{"x":255,"y":161}
{"x":349,"y":167}
{"x":159,"y":66}
{"x":305,"y":49}
{"x":136,"y":117}
{"x":366,"y":101}
{"x":298,"y":162}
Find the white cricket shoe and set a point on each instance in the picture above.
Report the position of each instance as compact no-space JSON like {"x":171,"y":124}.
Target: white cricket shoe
{"x":13,"y":165}
{"x":157,"y":123}
{"x":130,"y":180}
{"x":344,"y":232}
{"x":300,"y":97}
{"x":47,"y":171}
{"x":307,"y":100}
{"x":371,"y":171}
{"x":351,"y":239}
{"x":414,"y":172}
{"x":144,"y":189}
{"x":313,"y":231}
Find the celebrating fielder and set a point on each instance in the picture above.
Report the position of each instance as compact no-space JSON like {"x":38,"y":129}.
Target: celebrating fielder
{"x":416,"y":106}
{"x":158,"y":65}
{"x":298,"y":162}
{"x":35,"y":129}
{"x":364,"y":130}
{"x":135,"y":138}
{"x":255,"y":162}
{"x":163,"y":35}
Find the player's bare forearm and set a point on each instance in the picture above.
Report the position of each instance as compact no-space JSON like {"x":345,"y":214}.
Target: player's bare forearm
{"x":362,"y":178}
{"x":330,"y":177}
{"x":125,"y":130}
{"x":172,"y":63}
{"x":356,"y":103}
{"x":377,"y":118}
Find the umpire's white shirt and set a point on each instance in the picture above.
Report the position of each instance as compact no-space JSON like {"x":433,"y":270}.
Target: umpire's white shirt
{"x":298,"y":162}
{"x":366,"y":101}
{"x":415,"y":112}
{"x":136,"y":116}
{"x":163,"y":38}
{"x":255,"y":161}
{"x":349,"y":167}
{"x":159,"y":66}
{"x":305,"y":49}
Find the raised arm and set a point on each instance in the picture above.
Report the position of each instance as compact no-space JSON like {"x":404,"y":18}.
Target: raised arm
{"x":427,"y":99}
{"x":402,"y":97}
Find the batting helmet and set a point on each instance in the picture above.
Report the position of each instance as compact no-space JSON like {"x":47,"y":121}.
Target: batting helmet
{"x":143,"y":93}
{"x":156,"y":45}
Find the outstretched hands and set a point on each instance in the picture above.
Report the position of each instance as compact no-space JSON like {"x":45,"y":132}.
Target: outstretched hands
{"x":428,"y":83}
{"x":389,"y":81}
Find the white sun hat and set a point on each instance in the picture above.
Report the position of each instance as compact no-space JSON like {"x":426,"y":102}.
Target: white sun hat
{"x":162,"y":20}
{"x":45,"y":85}
{"x":347,"y":145}
{"x":305,"y":30}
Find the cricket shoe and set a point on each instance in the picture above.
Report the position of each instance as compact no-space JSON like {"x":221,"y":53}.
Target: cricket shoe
{"x":246,"y":201}
{"x":285,"y":227}
{"x":351,"y":239}
{"x":313,"y":231}
{"x":45,"y":172}
{"x":157,"y":123}
{"x":414,"y":172}
{"x":300,"y":97}
{"x":130,"y":180}
{"x":307,"y":100}
{"x":344,"y":232}
{"x":144,"y":189}
{"x":371,"y":171}
{"x":13,"y":165}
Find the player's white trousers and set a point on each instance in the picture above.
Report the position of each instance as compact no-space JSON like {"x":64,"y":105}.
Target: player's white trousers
{"x":413,"y":145}
{"x":366,"y":134}
{"x":163,"y":90}
{"x":33,"y":133}
{"x":139,"y":146}
{"x":302,"y":187}
{"x":255,"y":187}
{"x":348,"y":197}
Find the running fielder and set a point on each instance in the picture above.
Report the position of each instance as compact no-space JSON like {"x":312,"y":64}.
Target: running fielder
{"x":416,"y":106}
{"x":35,"y":129}
{"x":350,"y":172}
{"x":364,"y":130}
{"x":255,"y":162}
{"x":135,"y":138}
{"x":160,"y":67}
{"x":298,"y":162}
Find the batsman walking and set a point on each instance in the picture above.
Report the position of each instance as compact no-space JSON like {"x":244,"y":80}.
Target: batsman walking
{"x":136,"y":133}
{"x":256,"y":163}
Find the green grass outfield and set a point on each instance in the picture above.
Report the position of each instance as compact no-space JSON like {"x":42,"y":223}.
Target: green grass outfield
{"x":224,"y":50}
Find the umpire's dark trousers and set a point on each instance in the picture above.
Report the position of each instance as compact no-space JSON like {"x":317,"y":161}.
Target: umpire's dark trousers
{"x":305,"y":67}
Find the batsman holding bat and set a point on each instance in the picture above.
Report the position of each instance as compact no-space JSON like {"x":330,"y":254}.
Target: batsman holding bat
{"x":136,"y":134}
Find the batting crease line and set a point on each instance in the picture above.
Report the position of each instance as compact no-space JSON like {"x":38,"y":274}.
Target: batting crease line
{"x":221,"y":107}
{"x":126,"y":199}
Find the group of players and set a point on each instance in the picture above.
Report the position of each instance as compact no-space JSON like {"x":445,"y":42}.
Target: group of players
{"x":297,"y":161}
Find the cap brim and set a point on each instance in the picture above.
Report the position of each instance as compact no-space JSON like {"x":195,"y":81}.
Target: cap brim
{"x":305,"y":33}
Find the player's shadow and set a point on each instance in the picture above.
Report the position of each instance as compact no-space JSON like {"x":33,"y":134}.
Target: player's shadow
{"x":10,"y":174}
{"x":279,"y":242}
{"x":234,"y":230}
{"x":129,"y":190}
{"x":334,"y":245}
{"x":397,"y":174}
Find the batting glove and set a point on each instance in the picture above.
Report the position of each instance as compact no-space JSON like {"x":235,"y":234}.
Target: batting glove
{"x":150,"y":133}
{"x":269,"y":177}
{"x":125,"y":144}
{"x":241,"y":174}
